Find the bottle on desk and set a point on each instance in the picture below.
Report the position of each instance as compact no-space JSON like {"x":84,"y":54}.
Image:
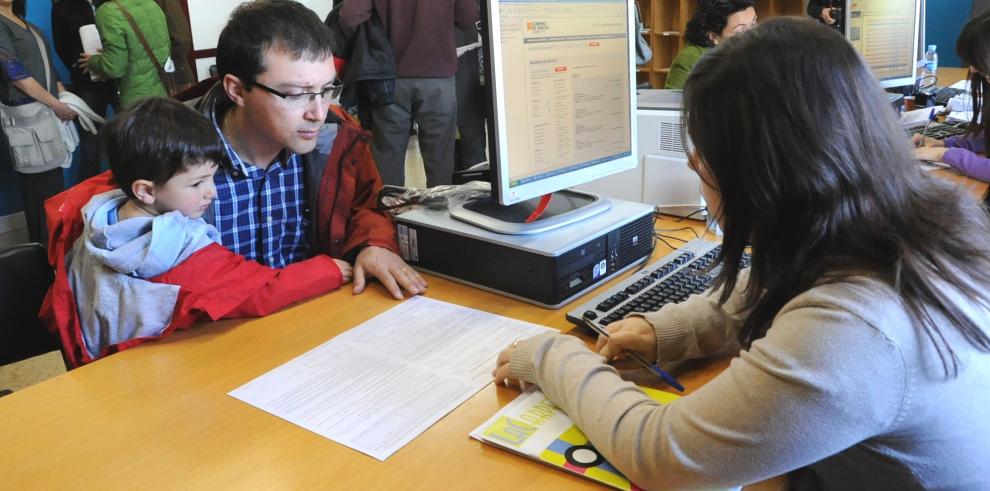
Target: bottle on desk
{"x":931,"y":61}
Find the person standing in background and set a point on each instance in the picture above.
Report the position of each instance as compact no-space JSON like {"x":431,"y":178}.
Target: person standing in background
{"x":828,"y":12}
{"x":123,"y":57}
{"x":100,"y":95}
{"x":180,"y":37}
{"x":25,"y":68}
{"x":470,"y":100}
{"x":422,"y":37}
{"x":714,"y":21}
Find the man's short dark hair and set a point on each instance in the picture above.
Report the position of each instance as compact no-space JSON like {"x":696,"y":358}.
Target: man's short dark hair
{"x":155,"y":139}
{"x":282,"y":25}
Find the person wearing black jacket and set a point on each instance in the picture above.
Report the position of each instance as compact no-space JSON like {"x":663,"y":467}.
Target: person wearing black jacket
{"x":67,"y":17}
{"x":829,"y":12}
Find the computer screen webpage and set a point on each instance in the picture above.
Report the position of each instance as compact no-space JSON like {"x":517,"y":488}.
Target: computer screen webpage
{"x":566,"y":86}
{"x":886,"y":33}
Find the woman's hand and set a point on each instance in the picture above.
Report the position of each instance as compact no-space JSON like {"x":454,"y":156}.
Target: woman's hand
{"x":501,"y":372}
{"x":920,"y":141}
{"x":64,"y":112}
{"x":632,"y":334}
{"x":827,"y":15}
{"x":930,"y":154}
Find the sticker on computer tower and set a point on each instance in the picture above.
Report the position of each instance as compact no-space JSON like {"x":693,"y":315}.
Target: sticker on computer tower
{"x":600,"y":269}
{"x":413,"y":246}
{"x":403,"y":237}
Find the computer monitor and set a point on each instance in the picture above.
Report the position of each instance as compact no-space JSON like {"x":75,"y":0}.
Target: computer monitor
{"x":561,"y":77}
{"x":886,"y":33}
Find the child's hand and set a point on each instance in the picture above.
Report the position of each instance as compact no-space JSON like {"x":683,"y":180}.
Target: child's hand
{"x":346,"y":270}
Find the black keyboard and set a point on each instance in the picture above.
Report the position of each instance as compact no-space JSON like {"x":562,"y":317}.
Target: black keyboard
{"x":670,"y":279}
{"x":938,"y":131}
{"x":945,"y":93}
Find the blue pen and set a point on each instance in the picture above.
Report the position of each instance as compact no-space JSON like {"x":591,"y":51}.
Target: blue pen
{"x":931,"y":117}
{"x":663,"y":374}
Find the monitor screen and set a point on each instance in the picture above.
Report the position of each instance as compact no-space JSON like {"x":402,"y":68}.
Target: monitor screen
{"x":886,"y":33}
{"x":561,"y":76}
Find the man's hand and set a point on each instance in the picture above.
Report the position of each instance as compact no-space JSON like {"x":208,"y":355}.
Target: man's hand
{"x":390,"y":269}
{"x":83,"y":61}
{"x":827,"y":15}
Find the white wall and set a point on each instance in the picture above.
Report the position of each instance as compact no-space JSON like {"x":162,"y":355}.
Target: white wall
{"x":207,"y":18}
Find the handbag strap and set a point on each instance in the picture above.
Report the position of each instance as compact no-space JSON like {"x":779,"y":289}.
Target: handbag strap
{"x":44,"y":56}
{"x":144,"y":42}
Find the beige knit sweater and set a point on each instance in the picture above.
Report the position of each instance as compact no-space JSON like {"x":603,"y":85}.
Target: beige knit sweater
{"x":843,"y":387}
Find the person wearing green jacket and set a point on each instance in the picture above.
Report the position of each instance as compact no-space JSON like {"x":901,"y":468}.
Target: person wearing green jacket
{"x":713,"y":21}
{"x":123,"y":57}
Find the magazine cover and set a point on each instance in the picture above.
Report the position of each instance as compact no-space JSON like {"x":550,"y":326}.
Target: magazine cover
{"x":536,"y":428}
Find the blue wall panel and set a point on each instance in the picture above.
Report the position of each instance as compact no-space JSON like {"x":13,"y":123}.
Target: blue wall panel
{"x":944,"y":20}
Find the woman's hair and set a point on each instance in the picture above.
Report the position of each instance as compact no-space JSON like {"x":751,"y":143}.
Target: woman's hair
{"x":712,"y":16}
{"x":973,"y":47}
{"x":824,"y":188}
{"x":19,"y":8}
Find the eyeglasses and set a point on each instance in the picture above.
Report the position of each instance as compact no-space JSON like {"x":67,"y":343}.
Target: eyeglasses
{"x":297,"y":101}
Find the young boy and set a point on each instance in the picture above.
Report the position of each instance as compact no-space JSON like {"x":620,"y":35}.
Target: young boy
{"x":145,"y":263}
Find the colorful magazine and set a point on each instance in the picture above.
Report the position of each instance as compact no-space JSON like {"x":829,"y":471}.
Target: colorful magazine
{"x":534,"y":427}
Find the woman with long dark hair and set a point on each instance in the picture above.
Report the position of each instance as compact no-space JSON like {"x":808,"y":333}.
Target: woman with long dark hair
{"x":861,"y":327}
{"x":961,"y":152}
{"x":25,"y":68}
{"x":713,"y":22}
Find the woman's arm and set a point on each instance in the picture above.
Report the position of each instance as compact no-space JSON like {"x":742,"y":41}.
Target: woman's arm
{"x":32,"y":88}
{"x":795,"y":397}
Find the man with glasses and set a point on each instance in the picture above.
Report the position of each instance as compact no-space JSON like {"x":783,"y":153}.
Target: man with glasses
{"x":282,"y":197}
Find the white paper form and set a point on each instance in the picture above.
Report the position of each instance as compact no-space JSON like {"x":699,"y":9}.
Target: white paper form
{"x":377,"y":386}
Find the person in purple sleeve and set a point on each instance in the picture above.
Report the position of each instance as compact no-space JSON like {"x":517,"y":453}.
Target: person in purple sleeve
{"x":962,"y":152}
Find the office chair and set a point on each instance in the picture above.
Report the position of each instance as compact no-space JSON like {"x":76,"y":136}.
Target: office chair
{"x":24,"y":278}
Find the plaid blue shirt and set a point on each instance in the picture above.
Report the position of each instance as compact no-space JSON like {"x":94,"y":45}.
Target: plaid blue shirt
{"x":261,"y":213}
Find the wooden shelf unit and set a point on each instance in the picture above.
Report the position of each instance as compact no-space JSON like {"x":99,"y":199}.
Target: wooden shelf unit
{"x":666,"y":21}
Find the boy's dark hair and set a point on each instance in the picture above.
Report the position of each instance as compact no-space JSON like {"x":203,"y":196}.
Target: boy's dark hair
{"x":282,"y":25}
{"x":712,"y":16}
{"x":973,"y":47}
{"x":155,"y":139}
{"x":826,"y":190}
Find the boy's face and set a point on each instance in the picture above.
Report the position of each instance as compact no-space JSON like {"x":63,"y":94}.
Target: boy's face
{"x":190,"y":191}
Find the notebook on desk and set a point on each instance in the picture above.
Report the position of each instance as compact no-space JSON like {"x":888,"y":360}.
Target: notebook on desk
{"x":534,"y":427}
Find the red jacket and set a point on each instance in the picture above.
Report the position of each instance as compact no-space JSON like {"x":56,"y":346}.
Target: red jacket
{"x":213,"y":282}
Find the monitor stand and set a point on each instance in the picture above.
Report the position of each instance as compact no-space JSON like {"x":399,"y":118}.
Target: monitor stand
{"x":566,"y":207}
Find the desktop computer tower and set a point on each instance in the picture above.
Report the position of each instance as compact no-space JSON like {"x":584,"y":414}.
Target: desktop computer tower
{"x":548,"y":269}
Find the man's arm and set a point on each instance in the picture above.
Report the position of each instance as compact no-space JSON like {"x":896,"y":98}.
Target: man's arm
{"x":372,"y":233}
{"x":60,"y":35}
{"x":353,"y":13}
{"x":466,"y":14}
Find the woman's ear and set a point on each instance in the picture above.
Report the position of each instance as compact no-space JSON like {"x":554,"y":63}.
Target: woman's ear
{"x":144,"y":191}
{"x":714,"y":37}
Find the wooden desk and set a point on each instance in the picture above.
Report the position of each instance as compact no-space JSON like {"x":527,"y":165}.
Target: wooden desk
{"x":159,"y":417}
{"x":979,"y":188}
{"x":950,"y":75}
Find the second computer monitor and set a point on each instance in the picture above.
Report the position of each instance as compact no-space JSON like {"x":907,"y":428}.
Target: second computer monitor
{"x":886,"y":33}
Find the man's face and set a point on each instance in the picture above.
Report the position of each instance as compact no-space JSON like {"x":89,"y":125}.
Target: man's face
{"x":281,"y":121}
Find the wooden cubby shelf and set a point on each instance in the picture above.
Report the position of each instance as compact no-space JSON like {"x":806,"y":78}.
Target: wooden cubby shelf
{"x":666,"y":21}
